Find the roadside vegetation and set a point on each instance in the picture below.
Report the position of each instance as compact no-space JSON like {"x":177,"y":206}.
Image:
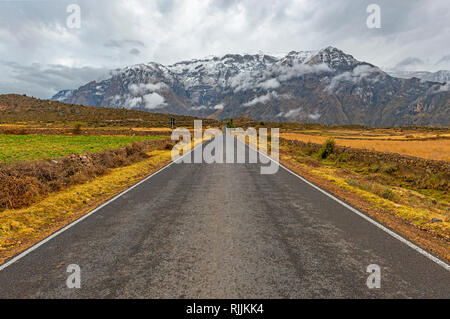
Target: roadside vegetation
{"x":413,"y":189}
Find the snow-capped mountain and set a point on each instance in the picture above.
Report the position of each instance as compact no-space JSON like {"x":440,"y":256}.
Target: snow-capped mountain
{"x":327,"y":86}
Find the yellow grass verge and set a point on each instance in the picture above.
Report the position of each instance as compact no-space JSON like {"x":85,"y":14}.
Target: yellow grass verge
{"x":22,"y":227}
{"x":407,"y":204}
{"x":429,"y":149}
{"x":376,"y":134}
{"x":152,"y":129}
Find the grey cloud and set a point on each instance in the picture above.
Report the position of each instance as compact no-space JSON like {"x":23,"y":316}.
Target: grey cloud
{"x":409,"y":61}
{"x":167,"y":31}
{"x":122,"y":43}
{"x":135,"y":51}
{"x":45,"y":80}
{"x":443,"y":60}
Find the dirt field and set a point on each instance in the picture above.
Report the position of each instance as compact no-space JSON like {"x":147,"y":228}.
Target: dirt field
{"x":421,"y":145}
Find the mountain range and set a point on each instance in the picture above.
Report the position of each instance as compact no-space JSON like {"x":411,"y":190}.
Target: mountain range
{"x":327,"y":86}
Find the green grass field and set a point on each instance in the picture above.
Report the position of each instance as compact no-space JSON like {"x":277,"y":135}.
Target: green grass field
{"x":15,"y":148}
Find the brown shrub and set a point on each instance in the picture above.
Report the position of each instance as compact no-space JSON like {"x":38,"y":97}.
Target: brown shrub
{"x":13,"y":131}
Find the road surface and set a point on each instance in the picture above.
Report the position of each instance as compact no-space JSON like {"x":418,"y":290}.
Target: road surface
{"x":224,"y":231}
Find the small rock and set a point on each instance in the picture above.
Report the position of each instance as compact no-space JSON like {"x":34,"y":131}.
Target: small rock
{"x":436,"y":220}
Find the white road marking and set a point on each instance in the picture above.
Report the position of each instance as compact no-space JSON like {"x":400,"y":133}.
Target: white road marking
{"x":42,"y":242}
{"x":369,"y":219}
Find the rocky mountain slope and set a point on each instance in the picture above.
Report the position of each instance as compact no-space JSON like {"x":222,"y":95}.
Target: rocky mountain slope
{"x":326,"y":86}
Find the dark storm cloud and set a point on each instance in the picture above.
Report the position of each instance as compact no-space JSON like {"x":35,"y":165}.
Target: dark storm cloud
{"x":123,"y":32}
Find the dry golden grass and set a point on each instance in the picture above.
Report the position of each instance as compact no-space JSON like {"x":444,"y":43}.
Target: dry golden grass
{"x":153,"y":129}
{"x":381,"y":134}
{"x":430,"y":149}
{"x":409,"y":205}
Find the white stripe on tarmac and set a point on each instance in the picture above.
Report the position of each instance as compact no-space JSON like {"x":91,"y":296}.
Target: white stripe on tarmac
{"x":42,"y":242}
{"x":369,"y":219}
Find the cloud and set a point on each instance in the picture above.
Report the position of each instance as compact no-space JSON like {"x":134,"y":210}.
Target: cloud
{"x":153,"y":101}
{"x":132,"y":102}
{"x":199,"y":108}
{"x":288,"y":73}
{"x":266,"y":98}
{"x":122,"y":43}
{"x":204,"y":107}
{"x":270,"y":84}
{"x":45,"y":80}
{"x":409,"y":63}
{"x":261,"y":99}
{"x":167,"y":31}
{"x":271,"y":78}
{"x":142,"y":88}
{"x":150,"y":101}
{"x":314,"y":116}
{"x":135,"y":51}
{"x":444,"y":62}
{"x":354,"y":76}
{"x":290,"y":113}
{"x":442,"y":88}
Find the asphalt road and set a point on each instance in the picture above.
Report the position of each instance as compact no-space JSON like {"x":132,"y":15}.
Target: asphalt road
{"x":224,"y":231}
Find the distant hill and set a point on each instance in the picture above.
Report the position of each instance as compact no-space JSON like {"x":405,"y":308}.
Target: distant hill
{"x":327,"y":86}
{"x":19,"y":108}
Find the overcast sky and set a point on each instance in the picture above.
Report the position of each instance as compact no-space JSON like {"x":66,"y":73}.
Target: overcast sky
{"x":40,"y":54}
